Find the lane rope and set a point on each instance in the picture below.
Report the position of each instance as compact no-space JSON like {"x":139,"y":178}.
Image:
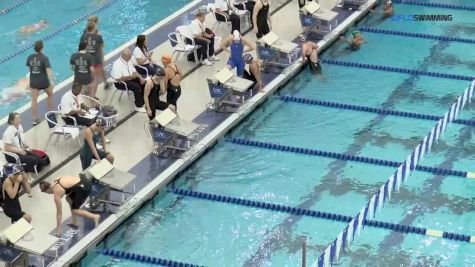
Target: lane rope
{"x":417,"y":35}
{"x":395,"y":69}
{"x":57,"y":31}
{"x":346,"y":157}
{"x":321,"y":214}
{"x":7,"y":9}
{"x":381,"y":111}
{"x":432,"y":4}
{"x":143,"y":258}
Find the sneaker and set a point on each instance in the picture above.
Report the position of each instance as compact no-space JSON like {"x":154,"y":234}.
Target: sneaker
{"x":213,"y":58}
{"x":206,"y":62}
{"x":108,"y":140}
{"x":36,"y":122}
{"x":141,"y":109}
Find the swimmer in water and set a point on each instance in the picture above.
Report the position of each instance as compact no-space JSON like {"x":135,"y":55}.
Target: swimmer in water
{"x":34,"y":27}
{"x":10,"y":94}
{"x":310,"y":55}
{"x":388,"y":9}
{"x":356,"y":41}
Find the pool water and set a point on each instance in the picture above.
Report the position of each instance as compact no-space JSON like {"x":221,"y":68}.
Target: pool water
{"x":218,"y":234}
{"x":132,"y":17}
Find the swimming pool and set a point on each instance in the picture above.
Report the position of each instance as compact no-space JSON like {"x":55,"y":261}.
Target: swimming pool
{"x":131,"y":16}
{"x":219,"y":234}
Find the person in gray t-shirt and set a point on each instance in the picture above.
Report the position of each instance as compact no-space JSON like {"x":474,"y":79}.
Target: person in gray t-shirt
{"x":81,"y":64}
{"x":41,"y":78}
{"x":95,"y":44}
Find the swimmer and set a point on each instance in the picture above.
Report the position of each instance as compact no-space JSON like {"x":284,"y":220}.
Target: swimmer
{"x":356,"y":41}
{"x":310,"y":55}
{"x":10,"y":94}
{"x":34,"y":27}
{"x":388,"y":9}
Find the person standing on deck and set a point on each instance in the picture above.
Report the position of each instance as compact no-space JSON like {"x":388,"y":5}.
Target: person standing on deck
{"x":261,"y":18}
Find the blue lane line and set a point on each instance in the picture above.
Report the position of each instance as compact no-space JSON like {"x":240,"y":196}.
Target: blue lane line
{"x":432,"y":4}
{"x":418,"y":35}
{"x":143,"y":259}
{"x":395,"y":69}
{"x":58,"y":31}
{"x":381,"y":111}
{"x":320,"y":214}
{"x":5,"y":10}
{"x":341,"y":156}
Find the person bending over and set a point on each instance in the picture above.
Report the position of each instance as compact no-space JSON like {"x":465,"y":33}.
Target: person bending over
{"x":204,"y":39}
{"x":89,"y":151}
{"x":77,"y":190}
{"x":152,"y":93}
{"x":124,"y":71}
{"x":71,"y":106}
{"x":40,"y":25}
{"x":172,"y":80}
{"x":14,"y":181}
{"x":310,"y":56}
{"x":236,"y":45}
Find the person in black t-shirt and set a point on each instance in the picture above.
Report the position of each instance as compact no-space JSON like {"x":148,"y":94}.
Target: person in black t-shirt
{"x":41,"y":78}
{"x":81,"y":64}
{"x":94,"y":47}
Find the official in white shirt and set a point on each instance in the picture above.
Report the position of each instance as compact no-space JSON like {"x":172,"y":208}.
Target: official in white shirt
{"x":123,"y":70}
{"x":224,"y":10}
{"x":204,"y":38}
{"x":71,"y":106}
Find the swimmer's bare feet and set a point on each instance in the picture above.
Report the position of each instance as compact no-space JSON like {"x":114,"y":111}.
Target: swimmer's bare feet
{"x":97,"y":219}
{"x":260,"y":88}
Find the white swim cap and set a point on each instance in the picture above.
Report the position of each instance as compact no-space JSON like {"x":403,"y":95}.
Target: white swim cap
{"x":236,"y":35}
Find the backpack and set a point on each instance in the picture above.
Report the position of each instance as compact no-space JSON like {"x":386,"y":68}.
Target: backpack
{"x":108,"y":111}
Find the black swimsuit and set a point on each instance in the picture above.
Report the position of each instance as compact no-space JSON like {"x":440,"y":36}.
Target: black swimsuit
{"x":173,"y":92}
{"x":154,"y":100}
{"x":78,"y":193}
{"x":261,"y":21}
{"x":11,"y":206}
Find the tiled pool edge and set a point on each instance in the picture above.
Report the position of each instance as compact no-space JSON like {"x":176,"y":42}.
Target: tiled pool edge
{"x":90,"y":241}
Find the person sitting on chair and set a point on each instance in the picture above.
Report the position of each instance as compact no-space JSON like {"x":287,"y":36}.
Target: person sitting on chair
{"x":13,"y":139}
{"x":143,"y":57}
{"x":14,"y":181}
{"x":89,"y":151}
{"x":204,"y":38}
{"x":77,"y":190}
{"x":236,"y":45}
{"x":225,"y":8}
{"x":71,"y":106}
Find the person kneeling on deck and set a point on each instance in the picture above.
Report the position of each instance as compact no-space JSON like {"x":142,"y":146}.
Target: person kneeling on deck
{"x":236,"y":46}
{"x":13,"y":180}
{"x":89,"y":151}
{"x":124,"y":71}
{"x":153,"y":90}
{"x":77,"y":190}
{"x":71,"y":106}
{"x":310,"y":56}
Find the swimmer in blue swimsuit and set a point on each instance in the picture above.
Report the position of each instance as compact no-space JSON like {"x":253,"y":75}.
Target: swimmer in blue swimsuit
{"x":236,"y":46}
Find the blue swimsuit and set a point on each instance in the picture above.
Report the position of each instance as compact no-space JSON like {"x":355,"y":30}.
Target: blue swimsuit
{"x":236,"y":59}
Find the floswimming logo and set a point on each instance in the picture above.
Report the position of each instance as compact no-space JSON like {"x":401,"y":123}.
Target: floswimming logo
{"x":422,"y":18}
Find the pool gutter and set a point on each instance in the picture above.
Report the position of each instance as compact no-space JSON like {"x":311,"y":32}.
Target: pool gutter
{"x":90,"y":241}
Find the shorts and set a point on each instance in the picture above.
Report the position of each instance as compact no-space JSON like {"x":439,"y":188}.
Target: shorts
{"x":160,"y":105}
{"x":239,"y":65}
{"x":79,"y":194}
{"x":40,"y":87}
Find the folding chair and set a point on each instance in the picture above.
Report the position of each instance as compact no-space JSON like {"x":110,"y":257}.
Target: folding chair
{"x":126,"y":90}
{"x":16,"y":158}
{"x":60,"y":130}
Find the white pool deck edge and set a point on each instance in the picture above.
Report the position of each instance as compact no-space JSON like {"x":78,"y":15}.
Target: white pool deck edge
{"x":90,"y":241}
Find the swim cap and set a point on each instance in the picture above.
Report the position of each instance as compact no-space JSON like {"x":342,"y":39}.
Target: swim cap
{"x":302,"y":38}
{"x":166,"y":59}
{"x":247,"y":57}
{"x":101,"y":122}
{"x":11,"y":169}
{"x":236,"y":35}
{"x":159,"y":71}
{"x":355,"y":33}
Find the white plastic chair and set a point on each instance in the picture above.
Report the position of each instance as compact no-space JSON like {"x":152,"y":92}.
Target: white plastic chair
{"x":17,"y":159}
{"x":179,"y":46}
{"x":60,"y":130}
{"x":126,"y":90}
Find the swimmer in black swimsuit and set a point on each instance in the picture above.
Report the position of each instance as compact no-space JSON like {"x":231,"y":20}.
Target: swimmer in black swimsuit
{"x":76,"y":190}
{"x":152,"y":92}
{"x":310,"y":56}
{"x":172,"y":82}
{"x":14,"y":180}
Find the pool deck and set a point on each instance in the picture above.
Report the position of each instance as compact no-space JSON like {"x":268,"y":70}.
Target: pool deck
{"x":153,"y":173}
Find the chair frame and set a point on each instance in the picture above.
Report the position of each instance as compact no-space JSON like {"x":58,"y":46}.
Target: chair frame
{"x":173,"y":38}
{"x":17,"y":160}
{"x":58,"y":126}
